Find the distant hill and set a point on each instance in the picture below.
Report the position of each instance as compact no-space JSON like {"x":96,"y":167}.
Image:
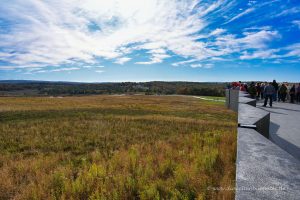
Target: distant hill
{"x":60,"y":88}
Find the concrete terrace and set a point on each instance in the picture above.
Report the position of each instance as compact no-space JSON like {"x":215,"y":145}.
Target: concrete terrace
{"x":268,"y":165}
{"x":285,"y":126}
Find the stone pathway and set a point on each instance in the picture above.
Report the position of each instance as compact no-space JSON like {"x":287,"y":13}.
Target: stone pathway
{"x":285,"y":126}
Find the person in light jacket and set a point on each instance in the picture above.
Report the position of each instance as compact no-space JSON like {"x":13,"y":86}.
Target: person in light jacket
{"x":269,"y":92}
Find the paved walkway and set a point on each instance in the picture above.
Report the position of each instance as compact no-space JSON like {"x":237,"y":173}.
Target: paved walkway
{"x":285,"y":126}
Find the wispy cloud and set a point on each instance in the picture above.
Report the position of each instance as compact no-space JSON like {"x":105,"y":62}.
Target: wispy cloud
{"x":266,"y":54}
{"x":65,"y":69}
{"x":249,"y":10}
{"x":58,"y":32}
{"x":158,"y":55}
{"x":217,"y":31}
{"x":39,"y":70}
{"x":90,"y":66}
{"x":289,"y":11}
{"x":199,"y":65}
{"x":184,"y":62}
{"x":277,"y":54}
{"x":297,"y":23}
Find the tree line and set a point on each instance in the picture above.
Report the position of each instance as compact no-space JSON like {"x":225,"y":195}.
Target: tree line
{"x":36,"y":88}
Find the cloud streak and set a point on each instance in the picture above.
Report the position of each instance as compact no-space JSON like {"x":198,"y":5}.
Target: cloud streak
{"x":249,"y":10}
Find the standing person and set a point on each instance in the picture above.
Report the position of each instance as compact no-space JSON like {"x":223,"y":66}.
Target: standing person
{"x":283,"y":92}
{"x":275,"y":85}
{"x":238,"y":87}
{"x":288,"y":96}
{"x":246,"y":87}
{"x":298,"y":93}
{"x":278,"y":93}
{"x":262,"y":88}
{"x":235,"y":86}
{"x":292,"y":93}
{"x":269,"y":92}
{"x":258,"y":91}
{"x":252,"y":90}
{"x":243,"y":88}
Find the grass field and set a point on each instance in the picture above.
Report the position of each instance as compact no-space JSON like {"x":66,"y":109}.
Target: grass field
{"x":116,"y":147}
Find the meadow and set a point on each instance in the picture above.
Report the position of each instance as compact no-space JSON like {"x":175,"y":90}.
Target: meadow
{"x":116,"y":147}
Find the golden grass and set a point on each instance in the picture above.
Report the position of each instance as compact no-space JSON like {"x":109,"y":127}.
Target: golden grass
{"x":116,"y":147}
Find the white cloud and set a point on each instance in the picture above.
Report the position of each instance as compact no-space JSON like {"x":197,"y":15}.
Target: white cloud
{"x":57,"y":32}
{"x":259,"y":39}
{"x":83,"y":33}
{"x":99,"y":71}
{"x":123,"y":60}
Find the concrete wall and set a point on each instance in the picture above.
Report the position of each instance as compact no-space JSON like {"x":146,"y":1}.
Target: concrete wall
{"x":232,"y":99}
{"x":246,"y":100}
{"x":264,"y":170}
{"x":252,"y":116}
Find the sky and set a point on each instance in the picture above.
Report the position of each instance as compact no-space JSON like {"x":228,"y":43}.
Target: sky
{"x":147,"y":40}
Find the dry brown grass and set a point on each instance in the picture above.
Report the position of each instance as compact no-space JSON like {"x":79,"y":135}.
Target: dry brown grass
{"x":116,"y":147}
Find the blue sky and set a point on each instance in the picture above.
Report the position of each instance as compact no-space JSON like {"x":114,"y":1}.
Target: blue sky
{"x":134,"y":40}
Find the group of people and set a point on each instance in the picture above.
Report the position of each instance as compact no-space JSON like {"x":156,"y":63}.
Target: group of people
{"x":271,"y":91}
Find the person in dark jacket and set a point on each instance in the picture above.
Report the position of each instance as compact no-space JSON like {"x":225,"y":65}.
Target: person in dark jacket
{"x":298,"y":93}
{"x":269,"y":92}
{"x":246,"y":87}
{"x":252,"y":90}
{"x":275,"y":85}
{"x":283,"y":92}
{"x":292,"y":93}
{"x":262,"y":88}
{"x":258,"y":91}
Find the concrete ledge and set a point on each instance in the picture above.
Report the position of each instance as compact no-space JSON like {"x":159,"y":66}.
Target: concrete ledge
{"x":246,"y":100}
{"x":249,"y":115}
{"x":264,"y":170}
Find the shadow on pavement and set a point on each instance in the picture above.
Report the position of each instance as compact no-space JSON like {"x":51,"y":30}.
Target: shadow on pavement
{"x":270,"y":111}
{"x":282,"y":143}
